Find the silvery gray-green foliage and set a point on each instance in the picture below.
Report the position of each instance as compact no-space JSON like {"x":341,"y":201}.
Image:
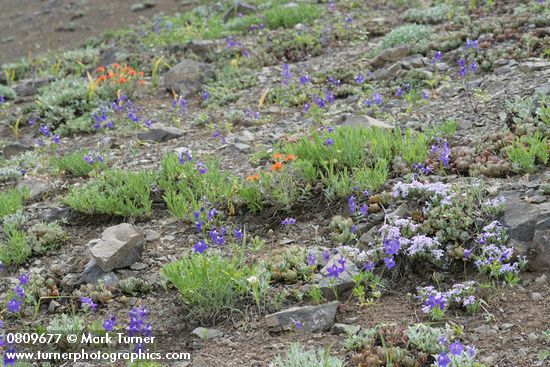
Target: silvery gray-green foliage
{"x":425,"y":337}
{"x":298,"y":357}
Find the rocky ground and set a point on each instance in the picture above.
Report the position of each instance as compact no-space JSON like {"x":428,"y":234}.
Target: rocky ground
{"x":479,"y":75}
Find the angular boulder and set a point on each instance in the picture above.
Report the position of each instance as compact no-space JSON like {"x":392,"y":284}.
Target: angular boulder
{"x":311,"y":318}
{"x":160,"y":133}
{"x":392,"y":54}
{"x":120,"y":246}
{"x":528,"y":226}
{"x":186,"y":77}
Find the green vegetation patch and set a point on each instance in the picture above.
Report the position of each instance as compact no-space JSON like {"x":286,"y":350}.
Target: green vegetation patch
{"x":114,"y":192}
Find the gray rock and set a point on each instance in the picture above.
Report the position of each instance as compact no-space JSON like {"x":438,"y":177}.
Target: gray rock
{"x":137,"y":7}
{"x":543,"y":89}
{"x":120,"y":246}
{"x":201,"y":48}
{"x":186,"y":77}
{"x":312,"y":318}
{"x":389,"y":72}
{"x":93,"y":274}
{"x":160,"y":133}
{"x":68,"y":282}
{"x":533,"y":65}
{"x":237,"y":8}
{"x":37,"y":187}
{"x":364,"y":121}
{"x":54,"y":214}
{"x":29,"y":87}
{"x":337,"y":329}
{"x":245,"y":136}
{"x":14,"y":149}
{"x":139,"y":266}
{"x":241,"y":147}
{"x":402,"y":211}
{"x":506,"y":326}
{"x":205,"y":333}
{"x":53,"y":305}
{"x":541,"y":247}
{"x":542,"y":279}
{"x":536,"y":296}
{"x":529,"y":229}
{"x":337,"y":287}
{"x":390,"y":55}
{"x":151,"y":235}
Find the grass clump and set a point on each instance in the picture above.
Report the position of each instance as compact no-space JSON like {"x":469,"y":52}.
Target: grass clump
{"x":188,"y":186}
{"x":351,"y":156}
{"x":407,"y":35}
{"x":11,"y":200}
{"x":75,"y":164}
{"x":526,"y":150}
{"x":116,"y":192}
{"x":15,"y":249}
{"x":278,"y":16}
{"x":298,"y":357}
{"x":211,"y":285}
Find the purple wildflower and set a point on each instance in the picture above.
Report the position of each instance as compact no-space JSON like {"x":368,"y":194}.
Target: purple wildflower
{"x":88,"y":158}
{"x":471,"y":44}
{"x":200,"y":247}
{"x":352,"y":206}
{"x":297,"y":324}
{"x":45,"y":130}
{"x":359,"y":79}
{"x":238,"y":233}
{"x":369,"y":266}
{"x":288,"y":221}
{"x":23,"y":279}
{"x":389,"y":262}
{"x":329,"y":142}
{"x":377,"y":98}
{"x":201,"y":166}
{"x":304,"y":79}
{"x":287,"y":75}
{"x":456,"y":348}
{"x":217,"y":235}
{"x":55,"y":139}
{"x":333,"y":271}
{"x":14,"y":305}
{"x":110,"y":323}
{"x":87,"y":302}
{"x":437,"y":57}
{"x":443,"y":360}
{"x":311,"y":260}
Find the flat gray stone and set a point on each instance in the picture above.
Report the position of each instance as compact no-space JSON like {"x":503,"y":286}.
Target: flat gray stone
{"x":93,"y":274}
{"x":160,"y":133}
{"x":204,"y":333}
{"x":364,"y":121}
{"x":14,"y":149}
{"x":312,"y":318}
{"x":390,"y":55}
{"x":120,"y":246}
{"x":37,"y":187}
